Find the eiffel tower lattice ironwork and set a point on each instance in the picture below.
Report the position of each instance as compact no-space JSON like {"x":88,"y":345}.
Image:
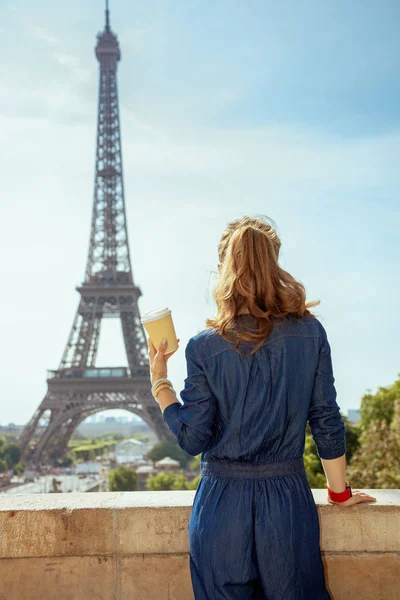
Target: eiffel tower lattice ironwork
{"x":78,"y":389}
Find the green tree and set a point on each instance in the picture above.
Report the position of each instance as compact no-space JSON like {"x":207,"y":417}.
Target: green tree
{"x":142,"y":437}
{"x":379,"y":406}
{"x":170,"y":481}
{"x":313,"y":465}
{"x":194,"y":465}
{"x":160,"y":482}
{"x":192,"y":485}
{"x":376,"y":464}
{"x":167,"y":481}
{"x":3,"y":466}
{"x":180,"y":483}
{"x":353,"y":433}
{"x":7,"y":438}
{"x":122,"y":480}
{"x":11,"y":453}
{"x":168,"y":448}
{"x":19,"y":468}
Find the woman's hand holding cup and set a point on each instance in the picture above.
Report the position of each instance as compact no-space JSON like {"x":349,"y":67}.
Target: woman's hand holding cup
{"x":158,"y":360}
{"x":162,"y":341}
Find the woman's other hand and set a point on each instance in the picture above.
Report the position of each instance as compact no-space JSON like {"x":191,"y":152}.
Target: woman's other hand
{"x":357,"y":498}
{"x":158,"y":360}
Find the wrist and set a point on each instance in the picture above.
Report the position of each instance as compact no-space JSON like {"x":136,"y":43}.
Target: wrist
{"x":339,"y":497}
{"x":165,"y":398}
{"x":159,"y":384}
{"x":156,"y":376}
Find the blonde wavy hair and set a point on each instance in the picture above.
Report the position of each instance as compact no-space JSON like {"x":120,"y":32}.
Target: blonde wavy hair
{"x":251,"y":279}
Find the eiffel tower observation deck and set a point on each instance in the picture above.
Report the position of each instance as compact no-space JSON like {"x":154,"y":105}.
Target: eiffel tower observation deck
{"x":78,"y":389}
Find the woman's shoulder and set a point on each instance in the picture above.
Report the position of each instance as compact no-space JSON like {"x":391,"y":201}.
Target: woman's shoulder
{"x":206,"y":336}
{"x":308,"y":325}
{"x":206,"y":342}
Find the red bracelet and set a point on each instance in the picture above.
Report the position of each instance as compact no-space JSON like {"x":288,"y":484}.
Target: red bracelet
{"x":340,"y":496}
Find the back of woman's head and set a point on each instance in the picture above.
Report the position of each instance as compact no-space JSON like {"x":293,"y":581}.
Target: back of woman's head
{"x":252,"y":281}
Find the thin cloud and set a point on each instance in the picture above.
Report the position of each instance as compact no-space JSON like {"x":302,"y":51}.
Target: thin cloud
{"x":42,"y":34}
{"x":61,"y":55}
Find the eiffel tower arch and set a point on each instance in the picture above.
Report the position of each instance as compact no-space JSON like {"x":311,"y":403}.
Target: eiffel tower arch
{"x":77,"y":389}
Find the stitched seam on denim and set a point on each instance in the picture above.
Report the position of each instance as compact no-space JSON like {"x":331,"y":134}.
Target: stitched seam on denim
{"x":294,"y":335}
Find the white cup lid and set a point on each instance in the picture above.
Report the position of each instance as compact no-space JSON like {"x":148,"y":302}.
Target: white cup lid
{"x":155,"y":314}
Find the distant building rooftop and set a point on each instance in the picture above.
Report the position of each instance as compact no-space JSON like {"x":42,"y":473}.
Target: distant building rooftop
{"x":168,"y":462}
{"x":143,"y":469}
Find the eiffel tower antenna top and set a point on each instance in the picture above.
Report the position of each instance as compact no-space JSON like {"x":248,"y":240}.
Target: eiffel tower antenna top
{"x":107,"y":17}
{"x":107,"y":48}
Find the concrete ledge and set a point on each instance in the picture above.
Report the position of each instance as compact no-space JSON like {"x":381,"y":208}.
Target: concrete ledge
{"x":135,"y":545}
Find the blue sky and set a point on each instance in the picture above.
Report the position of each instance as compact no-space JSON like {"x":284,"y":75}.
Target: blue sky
{"x":286,"y":109}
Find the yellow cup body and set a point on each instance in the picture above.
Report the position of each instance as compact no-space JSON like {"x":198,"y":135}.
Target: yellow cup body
{"x":162,"y":329}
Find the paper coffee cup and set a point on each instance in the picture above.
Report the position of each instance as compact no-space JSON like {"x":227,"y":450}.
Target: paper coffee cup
{"x":160,"y":326}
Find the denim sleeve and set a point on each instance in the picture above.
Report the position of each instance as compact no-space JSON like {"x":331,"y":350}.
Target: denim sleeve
{"x":324,"y":417}
{"x":192,"y":421}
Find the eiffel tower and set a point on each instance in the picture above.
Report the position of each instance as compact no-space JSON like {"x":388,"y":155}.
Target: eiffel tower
{"x":77,"y":389}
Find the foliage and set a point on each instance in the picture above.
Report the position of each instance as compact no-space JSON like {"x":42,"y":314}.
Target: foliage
{"x":7,"y":438}
{"x":90,"y":450}
{"x":313,"y":465}
{"x":168,"y":448}
{"x":19,"y":468}
{"x":379,"y":406}
{"x":194,"y":464}
{"x":3,"y":466}
{"x":75,"y":443}
{"x":194,"y":483}
{"x":109,"y":436}
{"x":10,"y":453}
{"x":377,"y":462}
{"x":141,"y":437}
{"x":353,"y":433}
{"x":122,"y":480}
{"x":105,"y":439}
{"x":180,"y":483}
{"x":170,"y":481}
{"x":161,"y":481}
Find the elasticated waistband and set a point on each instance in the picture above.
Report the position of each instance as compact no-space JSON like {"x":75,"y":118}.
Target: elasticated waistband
{"x":246,"y":470}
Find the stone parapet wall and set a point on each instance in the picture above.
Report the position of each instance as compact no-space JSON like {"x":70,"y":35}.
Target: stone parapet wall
{"x":134,"y":546}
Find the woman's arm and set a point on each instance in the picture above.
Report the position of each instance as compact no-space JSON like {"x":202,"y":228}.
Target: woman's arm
{"x":335,"y":473}
{"x":327,"y":426}
{"x":192,"y":420}
{"x":166,"y":397}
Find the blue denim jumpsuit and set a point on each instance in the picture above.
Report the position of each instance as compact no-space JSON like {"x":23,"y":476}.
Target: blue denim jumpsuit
{"x":254,"y":530}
